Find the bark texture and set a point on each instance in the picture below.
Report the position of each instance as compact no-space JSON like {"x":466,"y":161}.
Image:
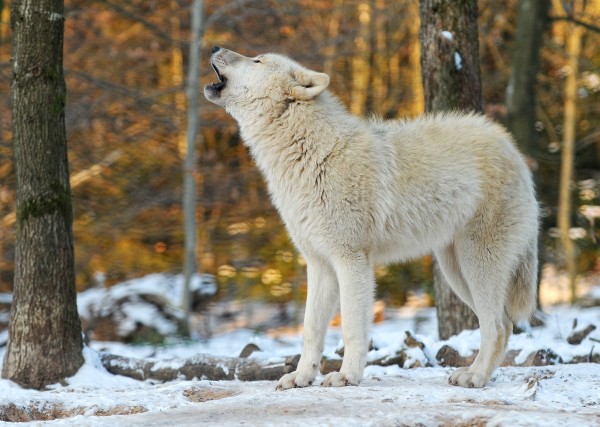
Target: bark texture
{"x":45,"y":333}
{"x":450,"y":55}
{"x":451,"y":81}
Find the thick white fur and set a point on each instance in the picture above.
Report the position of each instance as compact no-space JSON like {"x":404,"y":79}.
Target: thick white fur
{"x":355,"y":193}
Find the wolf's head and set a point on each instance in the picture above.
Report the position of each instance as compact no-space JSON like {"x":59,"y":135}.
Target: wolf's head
{"x":265,"y":81}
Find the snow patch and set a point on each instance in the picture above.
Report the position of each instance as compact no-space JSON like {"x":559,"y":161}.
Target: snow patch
{"x":152,"y":301}
{"x":447,"y":35}
{"x":93,"y":375}
{"x":457,"y":61}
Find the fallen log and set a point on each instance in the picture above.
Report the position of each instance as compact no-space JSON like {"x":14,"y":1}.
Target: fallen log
{"x":245,"y":368}
{"x":449,"y":357}
{"x":201,"y":366}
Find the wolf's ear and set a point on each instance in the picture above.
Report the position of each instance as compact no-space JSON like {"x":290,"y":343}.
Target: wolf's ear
{"x":308,"y":84}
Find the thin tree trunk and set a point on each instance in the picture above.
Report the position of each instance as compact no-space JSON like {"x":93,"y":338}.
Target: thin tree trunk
{"x":45,"y":332}
{"x":568,"y":155}
{"x":4,"y":18}
{"x":189,"y":176}
{"x":332,"y":33}
{"x":381,"y":73}
{"x":417,"y":104}
{"x":360,"y":61}
{"x":451,"y":81}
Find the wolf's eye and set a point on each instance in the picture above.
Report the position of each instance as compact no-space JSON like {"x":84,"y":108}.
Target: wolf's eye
{"x":257,"y":61}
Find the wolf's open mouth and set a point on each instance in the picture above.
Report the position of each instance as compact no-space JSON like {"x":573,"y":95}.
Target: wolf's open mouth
{"x":222,"y":80}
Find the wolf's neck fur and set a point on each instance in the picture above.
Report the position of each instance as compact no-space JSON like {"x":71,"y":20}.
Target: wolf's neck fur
{"x":301,"y":137}
{"x":293,"y":146}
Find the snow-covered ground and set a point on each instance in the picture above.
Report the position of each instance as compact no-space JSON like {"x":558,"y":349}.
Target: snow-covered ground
{"x":565,"y":394}
{"x":557,"y":396}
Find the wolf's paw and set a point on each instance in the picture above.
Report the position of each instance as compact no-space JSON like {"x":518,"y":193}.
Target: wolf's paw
{"x":295,"y":379}
{"x":339,"y":379}
{"x":463,"y":378}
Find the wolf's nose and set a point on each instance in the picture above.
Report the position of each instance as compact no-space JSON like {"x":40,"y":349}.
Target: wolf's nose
{"x":215,"y":49}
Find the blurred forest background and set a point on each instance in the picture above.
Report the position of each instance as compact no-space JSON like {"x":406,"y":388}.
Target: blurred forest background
{"x":125,"y":67}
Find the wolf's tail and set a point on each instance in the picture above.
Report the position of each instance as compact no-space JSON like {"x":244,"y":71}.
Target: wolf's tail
{"x":521,"y":302}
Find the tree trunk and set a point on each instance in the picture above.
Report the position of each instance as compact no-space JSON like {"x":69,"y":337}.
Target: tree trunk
{"x":451,"y":81}
{"x":45,"y":332}
{"x":189,"y":174}
{"x":568,"y":155}
{"x":450,"y":55}
{"x":532,"y":16}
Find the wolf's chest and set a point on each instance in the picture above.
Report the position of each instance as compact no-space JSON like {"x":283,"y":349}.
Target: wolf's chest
{"x":303,"y":209}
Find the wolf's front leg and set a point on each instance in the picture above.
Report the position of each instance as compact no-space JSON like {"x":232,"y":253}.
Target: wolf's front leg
{"x":357,"y":285}
{"x":321,"y":302}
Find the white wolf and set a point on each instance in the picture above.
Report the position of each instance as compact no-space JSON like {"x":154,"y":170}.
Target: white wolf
{"x":356,"y":193}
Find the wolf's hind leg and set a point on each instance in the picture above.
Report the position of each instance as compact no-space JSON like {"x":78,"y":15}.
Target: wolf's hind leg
{"x":321,"y":302}
{"x":488,"y":278}
{"x":494,"y":339}
{"x":518,"y":306}
{"x":448,"y":264}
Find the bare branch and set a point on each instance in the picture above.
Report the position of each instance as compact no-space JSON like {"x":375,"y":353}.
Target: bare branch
{"x":585,"y":25}
{"x":588,"y":140}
